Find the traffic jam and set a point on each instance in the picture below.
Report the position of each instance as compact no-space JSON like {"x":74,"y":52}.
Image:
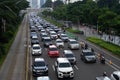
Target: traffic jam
{"x":54,"y":55}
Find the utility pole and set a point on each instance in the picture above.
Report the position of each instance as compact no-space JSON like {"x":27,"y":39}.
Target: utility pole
{"x":3,"y":26}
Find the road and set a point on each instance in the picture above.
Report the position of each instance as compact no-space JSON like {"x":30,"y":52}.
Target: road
{"x":13,"y":67}
{"x":16,"y":62}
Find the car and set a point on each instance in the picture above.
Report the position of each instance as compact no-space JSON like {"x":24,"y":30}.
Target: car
{"x":43,"y":78}
{"x":34,"y":40}
{"x":47,"y":41}
{"x":53,"y":51}
{"x":53,"y":35}
{"x":64,"y":37}
{"x":36,"y":49}
{"x":63,"y":68}
{"x":43,"y":35}
{"x":73,"y":44}
{"x":88,"y":56}
{"x":59,"y":43}
{"x":39,"y":67}
{"x":115,"y":75}
{"x":70,"y":56}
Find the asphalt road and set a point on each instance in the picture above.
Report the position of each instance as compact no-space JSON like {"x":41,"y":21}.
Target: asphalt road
{"x":14,"y":66}
{"x":83,"y":71}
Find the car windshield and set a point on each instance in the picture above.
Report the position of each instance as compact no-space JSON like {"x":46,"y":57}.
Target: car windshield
{"x":88,"y":53}
{"x":47,"y":40}
{"x":34,"y":38}
{"x":53,"y":33}
{"x":36,"y":47}
{"x":59,"y":41}
{"x":44,"y":36}
{"x":64,"y":65}
{"x":39,"y":63}
{"x":69,"y":55}
{"x":63,"y":35}
{"x":53,"y":49}
{"x":73,"y":42}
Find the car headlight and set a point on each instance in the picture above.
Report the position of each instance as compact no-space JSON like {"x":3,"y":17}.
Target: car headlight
{"x":34,"y":70}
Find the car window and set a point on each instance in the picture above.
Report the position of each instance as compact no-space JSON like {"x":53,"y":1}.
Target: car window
{"x":36,"y":64}
{"x":88,"y":53}
{"x":59,"y":41}
{"x":69,"y":55}
{"x":53,"y":49}
{"x":73,"y":42}
{"x":64,"y":65}
{"x":36,"y":47}
{"x":115,"y":76}
{"x":47,"y":40}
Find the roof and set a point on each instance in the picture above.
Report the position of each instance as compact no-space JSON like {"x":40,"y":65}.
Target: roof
{"x":62,"y":59}
{"x":36,"y":45}
{"x":58,"y":40}
{"x":72,"y":40}
{"x":52,"y":46}
{"x":86,"y":50}
{"x":39,"y":59}
{"x":68,"y":51}
{"x":43,"y":78}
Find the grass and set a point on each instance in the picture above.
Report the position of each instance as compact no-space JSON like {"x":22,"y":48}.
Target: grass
{"x":107,"y":45}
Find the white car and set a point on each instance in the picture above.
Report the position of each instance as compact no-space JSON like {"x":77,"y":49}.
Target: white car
{"x":63,"y":68}
{"x":59,"y":43}
{"x":73,"y":44}
{"x":115,"y":75}
{"x":36,"y":49}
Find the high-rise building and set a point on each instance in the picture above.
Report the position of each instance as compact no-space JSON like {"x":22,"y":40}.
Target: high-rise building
{"x":42,"y":2}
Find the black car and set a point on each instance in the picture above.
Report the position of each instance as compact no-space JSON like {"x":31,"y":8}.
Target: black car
{"x":39,"y":67}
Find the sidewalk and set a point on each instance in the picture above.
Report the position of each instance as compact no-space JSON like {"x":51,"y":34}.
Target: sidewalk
{"x":90,"y":32}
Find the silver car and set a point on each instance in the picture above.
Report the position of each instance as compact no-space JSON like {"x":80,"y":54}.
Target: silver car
{"x":59,"y":43}
{"x":70,"y":56}
{"x":73,"y":44}
{"x":36,"y":49}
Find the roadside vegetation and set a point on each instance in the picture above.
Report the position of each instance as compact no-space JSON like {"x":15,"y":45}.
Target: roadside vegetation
{"x":11,"y":15}
{"x":103,"y":13}
{"x":107,"y":45}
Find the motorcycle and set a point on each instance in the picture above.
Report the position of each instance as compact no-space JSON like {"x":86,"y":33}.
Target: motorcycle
{"x":102,"y":60}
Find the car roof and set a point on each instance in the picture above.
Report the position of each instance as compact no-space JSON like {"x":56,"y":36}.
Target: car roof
{"x":36,"y":45}
{"x":62,"y":60}
{"x":47,"y":38}
{"x":86,"y":50}
{"x":43,"y":78}
{"x":52,"y":46}
{"x":68,"y":52}
{"x":72,"y":40}
{"x":58,"y":40}
{"x":39,"y":59}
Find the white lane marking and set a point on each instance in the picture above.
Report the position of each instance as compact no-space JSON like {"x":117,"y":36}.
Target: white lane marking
{"x":112,"y":66}
{"x":76,"y":67}
{"x":53,"y":67}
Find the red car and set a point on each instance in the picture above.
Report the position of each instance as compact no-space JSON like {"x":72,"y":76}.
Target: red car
{"x":53,"y":51}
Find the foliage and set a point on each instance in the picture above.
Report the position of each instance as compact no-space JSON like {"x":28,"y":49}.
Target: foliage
{"x":9,"y":20}
{"x":109,"y":46}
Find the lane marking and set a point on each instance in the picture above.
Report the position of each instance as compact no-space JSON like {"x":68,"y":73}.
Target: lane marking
{"x":112,"y":67}
{"x":76,"y":67}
